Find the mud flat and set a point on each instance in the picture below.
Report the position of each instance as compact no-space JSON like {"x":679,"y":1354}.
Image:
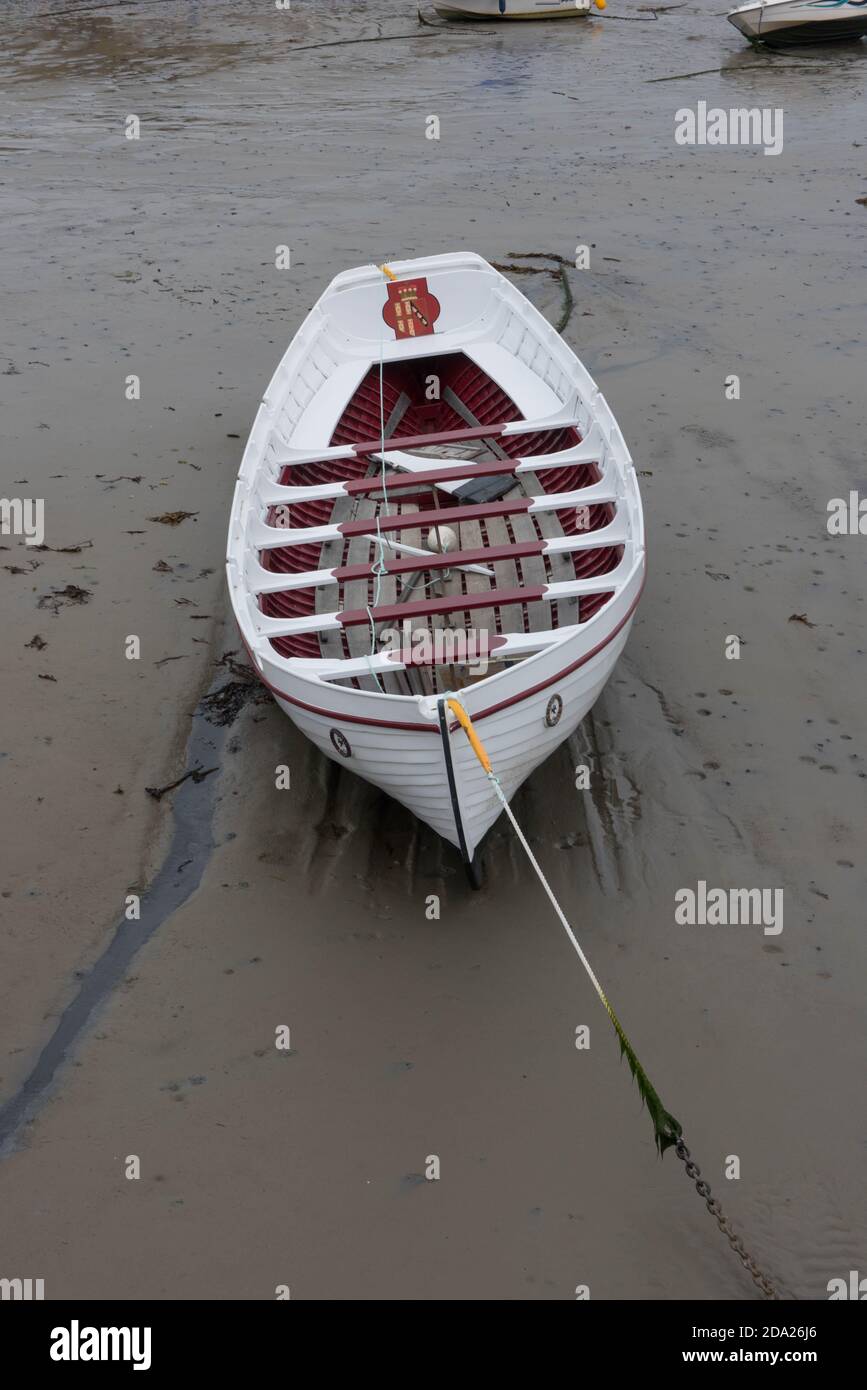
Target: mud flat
{"x":412,"y":1037}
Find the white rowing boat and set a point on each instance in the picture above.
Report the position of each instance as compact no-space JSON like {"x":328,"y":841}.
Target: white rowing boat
{"x":435,"y":498}
{"x":801,"y":21}
{"x":512,"y":9}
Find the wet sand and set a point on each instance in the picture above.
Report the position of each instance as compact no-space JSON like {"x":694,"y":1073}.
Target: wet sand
{"x":411,"y":1037}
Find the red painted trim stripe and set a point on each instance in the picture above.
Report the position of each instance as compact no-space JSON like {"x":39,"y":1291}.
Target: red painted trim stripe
{"x":408,"y":521}
{"x":428,"y":607}
{"x":437,"y":561}
{"x":418,"y":441}
{"x":399,"y":482}
{"x":409,"y":657}
{"x":332,"y":714}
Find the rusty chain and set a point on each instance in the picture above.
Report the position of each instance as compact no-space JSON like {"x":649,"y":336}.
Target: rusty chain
{"x":702,"y":1187}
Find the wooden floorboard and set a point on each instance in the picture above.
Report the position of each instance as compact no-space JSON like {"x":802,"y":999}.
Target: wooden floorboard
{"x":531,"y":569}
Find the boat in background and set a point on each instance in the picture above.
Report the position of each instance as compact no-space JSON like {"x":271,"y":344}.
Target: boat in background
{"x":431,"y":456}
{"x":801,"y":21}
{"x":514,"y":9}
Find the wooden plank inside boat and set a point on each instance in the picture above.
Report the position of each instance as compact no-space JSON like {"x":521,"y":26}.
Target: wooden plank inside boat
{"x":444,"y":583}
{"x":419,"y":678}
{"x":532,"y":568}
{"x":506,"y":572}
{"x":481,"y":619}
{"x":562,"y":566}
{"x":356,"y":593}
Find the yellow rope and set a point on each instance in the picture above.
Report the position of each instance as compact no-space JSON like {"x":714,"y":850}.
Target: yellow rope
{"x":476,"y":744}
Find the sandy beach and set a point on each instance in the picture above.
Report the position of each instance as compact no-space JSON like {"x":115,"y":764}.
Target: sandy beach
{"x":155,"y":258}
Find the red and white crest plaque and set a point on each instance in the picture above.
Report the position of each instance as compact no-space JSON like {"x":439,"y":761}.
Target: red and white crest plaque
{"x":411,"y":310}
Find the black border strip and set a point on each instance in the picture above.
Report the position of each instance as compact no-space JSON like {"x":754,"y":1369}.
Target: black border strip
{"x":450,"y":772}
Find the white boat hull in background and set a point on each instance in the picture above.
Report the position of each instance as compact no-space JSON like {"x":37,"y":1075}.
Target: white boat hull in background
{"x":801,"y":21}
{"x":513,"y":9}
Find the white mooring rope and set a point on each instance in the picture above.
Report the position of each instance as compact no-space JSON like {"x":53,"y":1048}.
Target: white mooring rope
{"x":667,"y":1130}
{"x":546,"y":885}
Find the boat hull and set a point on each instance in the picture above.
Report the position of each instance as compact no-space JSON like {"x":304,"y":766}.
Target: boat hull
{"x":802,"y":21}
{"x":410,"y":765}
{"x":514,"y":9}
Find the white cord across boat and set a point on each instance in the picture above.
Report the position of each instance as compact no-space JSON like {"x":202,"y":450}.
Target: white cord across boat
{"x":426,"y":554}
